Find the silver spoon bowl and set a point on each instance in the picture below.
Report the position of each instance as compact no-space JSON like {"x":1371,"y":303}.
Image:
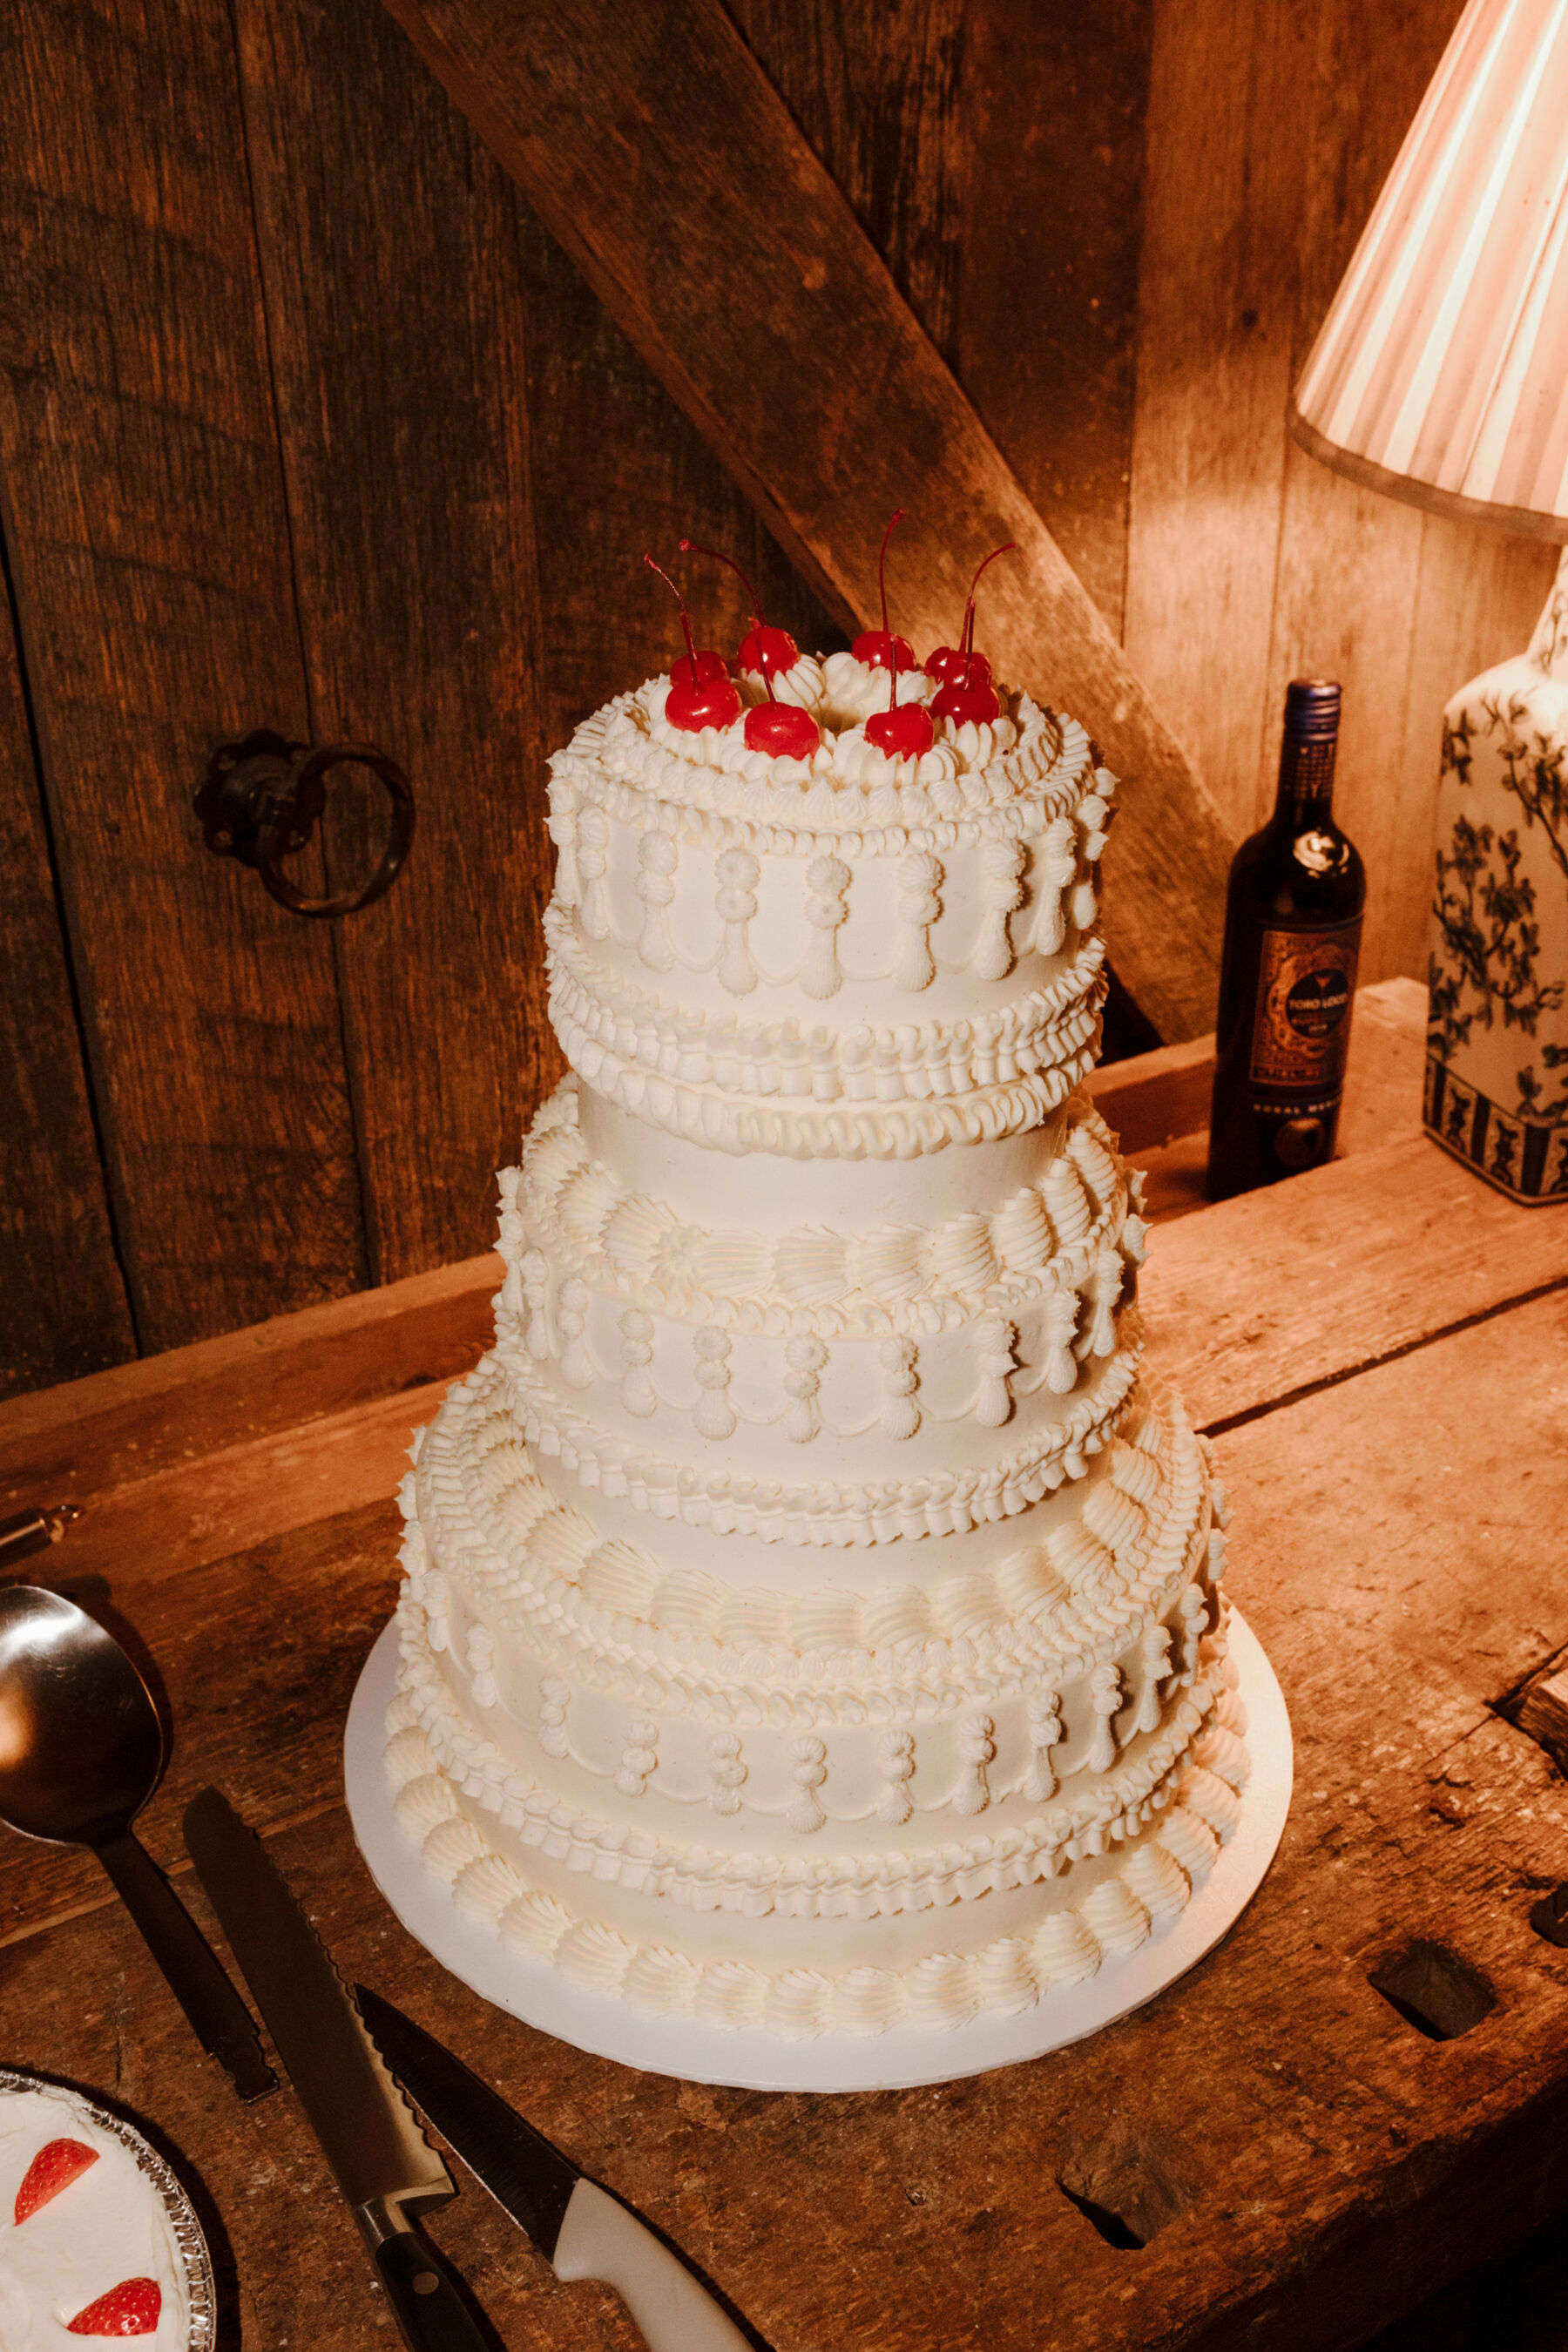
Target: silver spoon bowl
{"x":81,"y":1750}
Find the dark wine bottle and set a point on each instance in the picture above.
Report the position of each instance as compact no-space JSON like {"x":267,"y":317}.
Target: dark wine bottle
{"x":1293,"y":933}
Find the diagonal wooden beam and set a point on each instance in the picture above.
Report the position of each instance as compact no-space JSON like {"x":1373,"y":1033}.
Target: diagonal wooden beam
{"x":654,"y":147}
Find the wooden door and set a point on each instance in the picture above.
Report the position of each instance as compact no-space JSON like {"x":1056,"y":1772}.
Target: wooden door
{"x":282,"y":356}
{"x":306,"y":422}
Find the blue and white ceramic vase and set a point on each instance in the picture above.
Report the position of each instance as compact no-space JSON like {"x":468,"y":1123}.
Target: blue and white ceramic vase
{"x":1497,"y":1039}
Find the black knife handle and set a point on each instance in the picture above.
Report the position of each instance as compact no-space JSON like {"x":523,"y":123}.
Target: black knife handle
{"x":426,"y":2301}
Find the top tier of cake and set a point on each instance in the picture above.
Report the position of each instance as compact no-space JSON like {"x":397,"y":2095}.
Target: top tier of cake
{"x":847,"y":957}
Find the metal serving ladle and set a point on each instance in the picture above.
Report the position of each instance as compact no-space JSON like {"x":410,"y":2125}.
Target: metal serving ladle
{"x":82,"y":1749}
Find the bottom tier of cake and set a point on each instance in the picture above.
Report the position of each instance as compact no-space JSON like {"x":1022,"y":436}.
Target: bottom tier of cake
{"x":1000,"y":1950}
{"x":968,"y":1886}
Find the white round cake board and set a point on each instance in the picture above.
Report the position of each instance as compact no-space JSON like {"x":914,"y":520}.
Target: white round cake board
{"x":745,"y":2056}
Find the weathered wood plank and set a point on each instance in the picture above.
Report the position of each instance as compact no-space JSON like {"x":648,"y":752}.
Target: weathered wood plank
{"x":1047,"y":300}
{"x":167,"y":1410}
{"x":984,"y":148}
{"x":1542,"y":1709}
{"x":618,"y":472}
{"x":617,"y":126}
{"x":394,"y":292}
{"x":63,"y":1308}
{"x":1340,"y":2165}
{"x":150,"y":543}
{"x":190,"y":1513}
{"x":890,"y":108}
{"x":1366,"y":1257}
{"x":1217,"y":297}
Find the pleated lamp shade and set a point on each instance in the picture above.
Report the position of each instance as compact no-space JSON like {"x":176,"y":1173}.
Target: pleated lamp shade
{"x":1441,"y":374}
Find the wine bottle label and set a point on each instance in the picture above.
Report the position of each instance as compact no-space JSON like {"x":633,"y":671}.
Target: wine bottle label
{"x":1301,"y":1031}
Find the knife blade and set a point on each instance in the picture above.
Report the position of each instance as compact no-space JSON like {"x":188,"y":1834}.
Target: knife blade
{"x":581,"y":2232}
{"x":384,"y":2165}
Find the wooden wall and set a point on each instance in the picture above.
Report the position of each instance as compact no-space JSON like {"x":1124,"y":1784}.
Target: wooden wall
{"x":305,"y":421}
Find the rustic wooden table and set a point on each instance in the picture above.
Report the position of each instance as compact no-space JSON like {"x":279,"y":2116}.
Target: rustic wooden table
{"x":1382,"y":1348}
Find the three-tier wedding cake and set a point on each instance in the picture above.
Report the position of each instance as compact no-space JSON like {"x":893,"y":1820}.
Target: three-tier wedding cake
{"x":810,"y":1616}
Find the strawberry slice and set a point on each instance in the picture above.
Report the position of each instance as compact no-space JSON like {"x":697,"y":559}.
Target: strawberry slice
{"x":130,"y":2309}
{"x":54,"y":2167}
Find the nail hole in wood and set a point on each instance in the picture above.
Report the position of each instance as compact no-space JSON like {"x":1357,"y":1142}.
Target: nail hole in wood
{"x":1539,"y":1706}
{"x":1111,"y":2227}
{"x":1549,"y":1917}
{"x":1434,"y":1990}
{"x":1134,"y":2179}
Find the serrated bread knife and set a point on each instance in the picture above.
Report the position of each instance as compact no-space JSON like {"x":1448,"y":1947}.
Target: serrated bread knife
{"x":580,"y":2230}
{"x":384,"y":2166}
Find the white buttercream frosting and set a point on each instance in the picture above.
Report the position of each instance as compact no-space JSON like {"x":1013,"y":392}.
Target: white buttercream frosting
{"x":809,"y":1618}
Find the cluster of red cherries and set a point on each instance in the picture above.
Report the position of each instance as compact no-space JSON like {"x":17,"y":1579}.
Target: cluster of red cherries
{"x":702,"y":692}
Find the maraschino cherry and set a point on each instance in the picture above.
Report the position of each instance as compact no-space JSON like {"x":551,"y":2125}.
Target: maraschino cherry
{"x":878,"y":648}
{"x":767,"y":651}
{"x":700,"y":694}
{"x":904,"y":730}
{"x":967,"y":695}
{"x":781,"y":730}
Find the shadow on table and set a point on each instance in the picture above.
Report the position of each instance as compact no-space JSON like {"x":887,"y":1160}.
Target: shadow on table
{"x":1518,"y":2303}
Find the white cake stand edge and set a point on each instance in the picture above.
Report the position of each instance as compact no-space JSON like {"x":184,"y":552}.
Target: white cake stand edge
{"x":744,"y":2056}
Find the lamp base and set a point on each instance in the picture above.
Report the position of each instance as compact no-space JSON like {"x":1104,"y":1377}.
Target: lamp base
{"x":1519,"y":1156}
{"x":1496,"y":1067}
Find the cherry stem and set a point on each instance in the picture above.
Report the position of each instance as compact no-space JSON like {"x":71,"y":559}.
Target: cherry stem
{"x":685,"y":624}
{"x":689,"y":547}
{"x":966,"y":638}
{"x":882,"y":567}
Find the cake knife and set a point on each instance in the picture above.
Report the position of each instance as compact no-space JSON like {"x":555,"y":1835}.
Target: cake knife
{"x":581,"y":2231}
{"x":382,"y":2163}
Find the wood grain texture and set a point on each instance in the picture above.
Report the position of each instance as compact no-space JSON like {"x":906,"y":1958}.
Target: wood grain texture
{"x":1542,"y":1710}
{"x":888,"y":102}
{"x":170,"y":1409}
{"x":305,"y":1600}
{"x":1374,"y":1255}
{"x":1047,"y":300}
{"x":1337,"y":2167}
{"x":1248,"y":562}
{"x":393,"y":290}
{"x":620,"y":472}
{"x":1217,"y":297}
{"x":63,"y":1308}
{"x":617,"y":117}
{"x":150,"y":549}
{"x":993,"y":155}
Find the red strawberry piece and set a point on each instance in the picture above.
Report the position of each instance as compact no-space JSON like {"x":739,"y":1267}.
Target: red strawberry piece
{"x":54,"y":2167}
{"x":130,"y":2309}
